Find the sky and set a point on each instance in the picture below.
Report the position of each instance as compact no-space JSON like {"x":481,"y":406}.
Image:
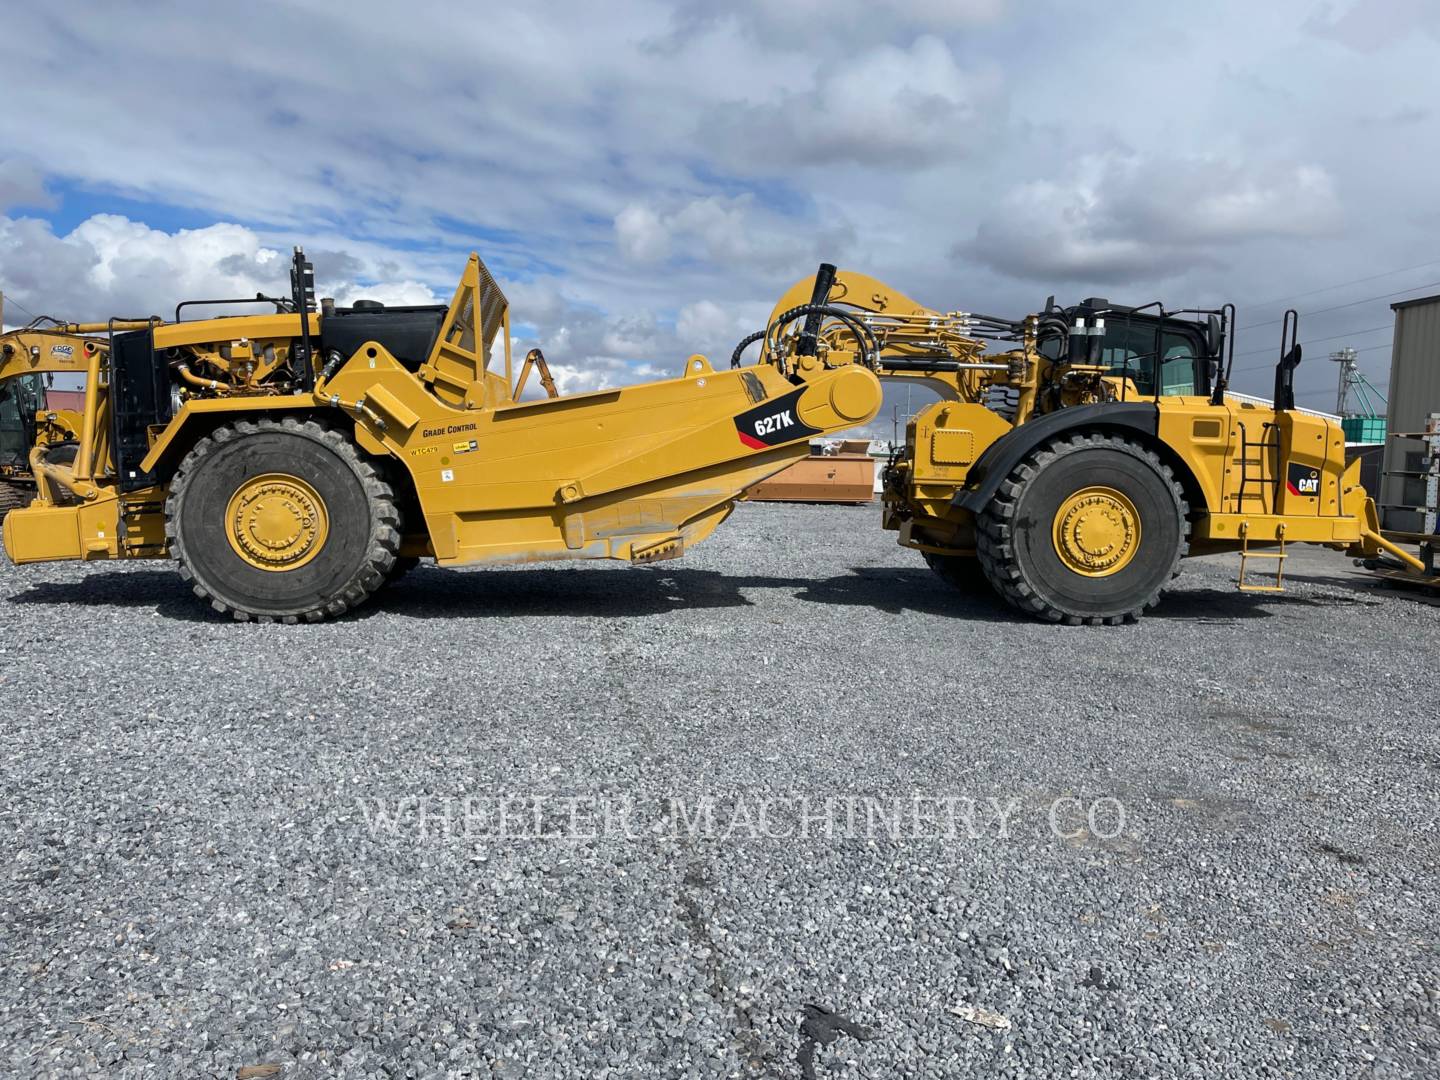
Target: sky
{"x":646,"y":178}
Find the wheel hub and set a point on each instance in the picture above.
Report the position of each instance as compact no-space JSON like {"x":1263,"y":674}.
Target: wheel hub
{"x":1097,"y":531}
{"x":276,"y":522}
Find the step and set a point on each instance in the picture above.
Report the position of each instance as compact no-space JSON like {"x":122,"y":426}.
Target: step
{"x":1245,"y":587}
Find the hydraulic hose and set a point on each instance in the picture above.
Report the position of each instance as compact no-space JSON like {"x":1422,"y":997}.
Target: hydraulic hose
{"x":182,"y":369}
{"x":858,"y":329}
{"x":745,"y":343}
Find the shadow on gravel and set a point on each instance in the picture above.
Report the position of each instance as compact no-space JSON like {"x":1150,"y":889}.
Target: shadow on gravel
{"x":1201,"y":605}
{"x":896,"y":591}
{"x":161,"y":590}
{"x":622,"y":593}
{"x":625,"y":592}
{"x":1360,"y":584}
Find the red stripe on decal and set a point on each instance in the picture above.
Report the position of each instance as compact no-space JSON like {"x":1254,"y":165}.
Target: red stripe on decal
{"x":750,"y":441}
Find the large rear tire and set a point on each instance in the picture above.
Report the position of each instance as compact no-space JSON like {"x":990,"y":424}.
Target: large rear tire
{"x":1087,"y":529}
{"x":281,"y":520}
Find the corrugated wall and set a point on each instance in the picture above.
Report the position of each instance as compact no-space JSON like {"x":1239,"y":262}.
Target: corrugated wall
{"x":1414,"y":393}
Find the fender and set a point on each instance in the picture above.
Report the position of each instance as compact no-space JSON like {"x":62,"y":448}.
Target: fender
{"x":199,"y":417}
{"x":1001,"y":456}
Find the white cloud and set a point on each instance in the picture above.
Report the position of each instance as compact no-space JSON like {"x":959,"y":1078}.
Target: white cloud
{"x":589,"y":349}
{"x":1206,"y":199}
{"x":1126,"y":218}
{"x":726,"y":232}
{"x":110,"y":265}
{"x":714,"y":330}
{"x":641,"y":234}
{"x":704,"y":320}
{"x":890,"y":108}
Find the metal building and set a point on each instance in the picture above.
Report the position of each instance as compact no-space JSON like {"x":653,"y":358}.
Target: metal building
{"x":1414,"y":394}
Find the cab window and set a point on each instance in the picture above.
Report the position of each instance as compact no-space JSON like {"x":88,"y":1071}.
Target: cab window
{"x":1129,"y":351}
{"x":1177,"y":371}
{"x":20,"y":398}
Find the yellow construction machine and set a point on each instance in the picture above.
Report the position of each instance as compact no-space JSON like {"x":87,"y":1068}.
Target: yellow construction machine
{"x":1075,"y":465}
{"x":30,"y":358}
{"x":294,"y":461}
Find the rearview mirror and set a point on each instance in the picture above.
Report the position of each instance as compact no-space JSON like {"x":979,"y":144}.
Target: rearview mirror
{"x":1214,"y":335}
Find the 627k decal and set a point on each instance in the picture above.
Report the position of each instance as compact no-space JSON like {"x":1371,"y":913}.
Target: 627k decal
{"x":774,"y":422}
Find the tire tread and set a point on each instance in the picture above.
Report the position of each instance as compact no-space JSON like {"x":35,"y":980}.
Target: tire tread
{"x":996,"y":545}
{"x":384,"y":541}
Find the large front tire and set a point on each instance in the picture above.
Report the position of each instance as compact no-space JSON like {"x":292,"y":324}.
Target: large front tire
{"x":281,"y":520}
{"x":1087,"y":529}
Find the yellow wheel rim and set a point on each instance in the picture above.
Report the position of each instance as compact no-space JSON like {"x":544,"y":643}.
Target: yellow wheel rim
{"x":276,"y":522}
{"x":1097,"y":531}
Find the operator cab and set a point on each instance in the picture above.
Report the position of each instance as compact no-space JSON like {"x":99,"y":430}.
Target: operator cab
{"x":1188,"y":350}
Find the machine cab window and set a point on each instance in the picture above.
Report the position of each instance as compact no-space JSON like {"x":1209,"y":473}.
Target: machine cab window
{"x":1130,"y":350}
{"x":21,"y":398}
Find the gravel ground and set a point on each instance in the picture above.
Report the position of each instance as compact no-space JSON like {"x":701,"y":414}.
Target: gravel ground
{"x":228,"y":845}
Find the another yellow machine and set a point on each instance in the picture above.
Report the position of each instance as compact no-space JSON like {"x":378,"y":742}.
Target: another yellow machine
{"x":293,"y":462}
{"x":1077,"y":465}
{"x":30,"y":358}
